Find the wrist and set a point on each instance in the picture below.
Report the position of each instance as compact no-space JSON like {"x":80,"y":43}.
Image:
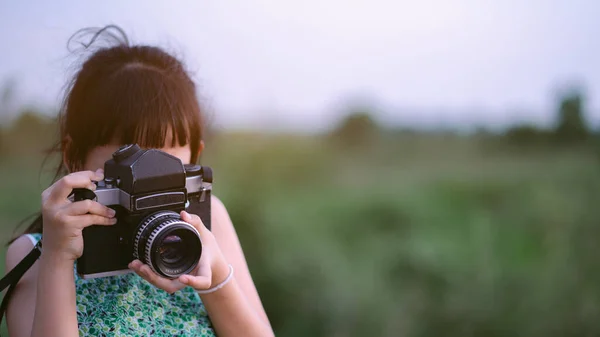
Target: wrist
{"x":220,"y":271}
{"x":56,"y":259}
{"x":216,"y":287}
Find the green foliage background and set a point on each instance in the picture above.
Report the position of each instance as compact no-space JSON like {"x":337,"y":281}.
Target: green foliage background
{"x":393,"y":233}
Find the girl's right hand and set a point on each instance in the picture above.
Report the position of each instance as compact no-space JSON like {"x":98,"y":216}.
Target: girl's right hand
{"x":64,"y":220}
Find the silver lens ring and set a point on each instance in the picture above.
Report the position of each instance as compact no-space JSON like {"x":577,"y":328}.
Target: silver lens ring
{"x":143,"y":226}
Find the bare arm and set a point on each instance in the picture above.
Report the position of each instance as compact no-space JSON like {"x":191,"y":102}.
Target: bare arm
{"x":21,"y":307}
{"x":43,"y":303}
{"x":232,"y":314}
{"x":55,"y":310}
{"x":238,"y":301}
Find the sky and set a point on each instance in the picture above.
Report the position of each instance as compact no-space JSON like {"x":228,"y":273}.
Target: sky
{"x":300,"y":64}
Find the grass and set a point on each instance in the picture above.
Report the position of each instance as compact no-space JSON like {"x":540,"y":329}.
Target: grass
{"x":423,"y":238}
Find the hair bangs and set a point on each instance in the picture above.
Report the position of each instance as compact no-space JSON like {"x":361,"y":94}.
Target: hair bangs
{"x":150,"y":109}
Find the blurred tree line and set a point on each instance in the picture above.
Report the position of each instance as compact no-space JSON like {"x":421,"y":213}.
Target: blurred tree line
{"x":571,"y":126}
{"x":359,"y":129}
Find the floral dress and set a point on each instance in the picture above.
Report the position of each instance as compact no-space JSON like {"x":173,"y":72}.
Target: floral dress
{"x":127,"y":305}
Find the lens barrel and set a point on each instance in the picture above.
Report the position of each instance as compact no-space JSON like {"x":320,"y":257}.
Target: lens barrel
{"x":166,"y":243}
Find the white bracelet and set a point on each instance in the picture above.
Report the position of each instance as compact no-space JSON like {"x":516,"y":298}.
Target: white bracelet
{"x":218,"y":286}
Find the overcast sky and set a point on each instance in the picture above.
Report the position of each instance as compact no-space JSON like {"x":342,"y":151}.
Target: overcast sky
{"x":293,"y":63}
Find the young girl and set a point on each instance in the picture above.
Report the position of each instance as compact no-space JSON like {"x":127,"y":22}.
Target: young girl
{"x":128,"y":94}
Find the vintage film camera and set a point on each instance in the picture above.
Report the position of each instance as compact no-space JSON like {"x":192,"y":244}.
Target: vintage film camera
{"x":147,"y":189}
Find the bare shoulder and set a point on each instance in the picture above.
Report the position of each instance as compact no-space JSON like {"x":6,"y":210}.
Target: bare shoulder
{"x":21,"y":306}
{"x":216,"y":203}
{"x":218,"y":211}
{"x":16,"y":251}
{"x":221,"y":225}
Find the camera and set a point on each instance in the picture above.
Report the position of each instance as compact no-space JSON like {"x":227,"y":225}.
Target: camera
{"x":148,"y":189}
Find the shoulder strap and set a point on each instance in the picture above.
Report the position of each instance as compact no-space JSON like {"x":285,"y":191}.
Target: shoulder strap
{"x":12,"y":278}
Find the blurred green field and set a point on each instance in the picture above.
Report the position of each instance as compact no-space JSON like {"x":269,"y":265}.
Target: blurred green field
{"x":423,"y":236}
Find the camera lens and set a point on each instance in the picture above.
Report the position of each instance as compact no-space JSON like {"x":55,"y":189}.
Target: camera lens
{"x":176,"y":249}
{"x":171,"y":249}
{"x":169,"y":245}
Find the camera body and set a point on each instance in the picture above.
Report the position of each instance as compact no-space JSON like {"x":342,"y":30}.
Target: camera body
{"x":147,"y":189}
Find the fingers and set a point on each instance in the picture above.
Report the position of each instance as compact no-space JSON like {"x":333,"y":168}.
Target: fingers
{"x":194,"y":220}
{"x":147,"y":274}
{"x":64,"y":217}
{"x":89,"y":206}
{"x":196,"y":282}
{"x":85,"y":213}
{"x":92,"y":219}
{"x":60,"y":190}
{"x":170,"y":286}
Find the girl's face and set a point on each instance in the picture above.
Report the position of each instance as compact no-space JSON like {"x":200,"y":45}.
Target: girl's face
{"x":101,"y":154}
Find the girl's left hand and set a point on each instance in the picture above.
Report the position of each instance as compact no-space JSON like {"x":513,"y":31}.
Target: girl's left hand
{"x":211,"y":269}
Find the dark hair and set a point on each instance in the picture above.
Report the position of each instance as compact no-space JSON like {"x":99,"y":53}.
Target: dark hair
{"x":125,"y":94}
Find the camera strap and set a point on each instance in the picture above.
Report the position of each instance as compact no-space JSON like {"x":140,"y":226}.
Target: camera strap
{"x":12,"y":278}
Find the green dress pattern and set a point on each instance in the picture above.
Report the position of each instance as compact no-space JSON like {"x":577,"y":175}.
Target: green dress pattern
{"x":127,"y":305}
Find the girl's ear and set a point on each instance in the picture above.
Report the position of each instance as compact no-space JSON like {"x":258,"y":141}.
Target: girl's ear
{"x":200,"y":149}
